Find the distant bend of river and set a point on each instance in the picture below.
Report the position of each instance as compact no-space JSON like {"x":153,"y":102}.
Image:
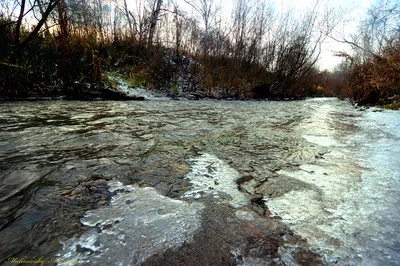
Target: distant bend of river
{"x":97,"y":182}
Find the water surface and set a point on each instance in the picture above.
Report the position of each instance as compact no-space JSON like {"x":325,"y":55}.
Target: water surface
{"x":328,"y":173}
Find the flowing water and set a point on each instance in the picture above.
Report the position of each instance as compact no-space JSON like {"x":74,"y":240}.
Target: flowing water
{"x":199,"y":183}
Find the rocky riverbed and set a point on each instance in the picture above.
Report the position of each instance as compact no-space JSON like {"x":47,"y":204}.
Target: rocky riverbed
{"x":310,"y":182}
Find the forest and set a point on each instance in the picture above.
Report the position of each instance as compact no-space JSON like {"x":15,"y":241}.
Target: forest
{"x":75,"y":49}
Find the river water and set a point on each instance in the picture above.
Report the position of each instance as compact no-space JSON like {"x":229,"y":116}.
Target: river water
{"x":199,"y":183}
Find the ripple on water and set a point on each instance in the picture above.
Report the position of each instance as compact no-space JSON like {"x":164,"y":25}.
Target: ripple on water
{"x":342,"y":201}
{"x":15,"y":181}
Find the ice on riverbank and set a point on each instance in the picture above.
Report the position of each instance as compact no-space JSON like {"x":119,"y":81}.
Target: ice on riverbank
{"x":211,"y":175}
{"x":137,"y":224}
{"x":351,"y":216}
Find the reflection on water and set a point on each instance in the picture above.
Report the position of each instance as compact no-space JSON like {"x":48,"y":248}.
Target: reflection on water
{"x":57,"y":160}
{"x":352,"y":216}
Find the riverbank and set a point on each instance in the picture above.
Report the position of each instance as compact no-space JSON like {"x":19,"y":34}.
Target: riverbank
{"x":82,"y":94}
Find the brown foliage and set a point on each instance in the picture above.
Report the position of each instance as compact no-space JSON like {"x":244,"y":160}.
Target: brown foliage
{"x":378,"y":78}
{"x":228,"y":77}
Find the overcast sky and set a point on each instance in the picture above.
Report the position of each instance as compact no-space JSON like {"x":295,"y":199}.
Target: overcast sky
{"x":356,"y":10}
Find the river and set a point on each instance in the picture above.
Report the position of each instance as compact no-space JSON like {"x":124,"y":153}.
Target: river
{"x":313,"y":182}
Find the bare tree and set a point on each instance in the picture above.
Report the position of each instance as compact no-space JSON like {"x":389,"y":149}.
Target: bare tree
{"x":178,"y":21}
{"x":140,"y":19}
{"x":296,"y":47}
{"x":19,"y":43}
{"x":8,"y":8}
{"x":207,"y":9}
{"x":261,"y":25}
{"x":374,"y":61}
{"x":128,"y":18}
{"x":155,"y":12}
{"x":381,"y":25}
{"x":242,"y":16}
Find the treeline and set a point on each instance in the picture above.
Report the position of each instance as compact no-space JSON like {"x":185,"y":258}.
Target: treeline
{"x":54,"y":47}
{"x":370,"y":74}
{"x":68,"y":47}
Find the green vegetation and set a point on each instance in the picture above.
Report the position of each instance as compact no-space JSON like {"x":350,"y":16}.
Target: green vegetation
{"x":393,"y":106}
{"x":225,"y":139}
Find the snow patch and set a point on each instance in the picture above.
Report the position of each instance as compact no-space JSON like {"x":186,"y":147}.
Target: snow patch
{"x":124,"y":86}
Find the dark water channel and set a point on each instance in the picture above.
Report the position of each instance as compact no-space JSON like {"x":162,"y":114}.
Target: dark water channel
{"x":199,"y":183}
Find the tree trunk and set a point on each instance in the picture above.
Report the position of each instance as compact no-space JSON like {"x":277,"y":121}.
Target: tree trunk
{"x":153,"y":21}
{"x":52,"y":4}
{"x":129,"y":19}
{"x":17,"y":41}
{"x":63,"y":47}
